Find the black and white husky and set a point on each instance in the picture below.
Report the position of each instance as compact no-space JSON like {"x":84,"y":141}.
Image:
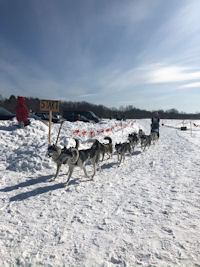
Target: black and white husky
{"x":133,"y":139}
{"x":74,"y":157}
{"x":122,"y":149}
{"x":106,"y":148}
{"x":61,"y":156}
{"x":145,"y":141}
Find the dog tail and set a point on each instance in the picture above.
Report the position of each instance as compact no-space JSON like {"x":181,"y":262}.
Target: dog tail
{"x":109,"y":139}
{"x":77,"y":143}
{"x":75,"y":155}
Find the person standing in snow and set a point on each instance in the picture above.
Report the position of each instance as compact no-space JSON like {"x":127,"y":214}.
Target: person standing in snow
{"x":155,"y":123}
{"x":22,"y":112}
{"x":78,"y":117}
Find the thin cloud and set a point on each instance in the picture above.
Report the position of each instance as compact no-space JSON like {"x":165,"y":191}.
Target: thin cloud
{"x":171,"y":74}
{"x":87,"y":95}
{"x":190,"y":85}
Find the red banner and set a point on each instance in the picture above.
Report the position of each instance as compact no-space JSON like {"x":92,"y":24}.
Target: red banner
{"x":93,"y":133}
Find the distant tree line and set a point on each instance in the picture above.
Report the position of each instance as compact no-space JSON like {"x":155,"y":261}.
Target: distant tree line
{"x":128,"y":112}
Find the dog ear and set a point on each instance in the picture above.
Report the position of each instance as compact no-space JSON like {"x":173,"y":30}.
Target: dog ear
{"x":50,"y":146}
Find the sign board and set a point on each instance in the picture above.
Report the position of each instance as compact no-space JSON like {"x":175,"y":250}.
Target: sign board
{"x":49,"y":105}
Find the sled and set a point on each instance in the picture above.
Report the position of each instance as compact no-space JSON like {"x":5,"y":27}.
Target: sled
{"x":156,"y":130}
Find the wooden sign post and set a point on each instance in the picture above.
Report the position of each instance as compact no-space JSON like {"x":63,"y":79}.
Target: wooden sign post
{"x":51,"y":106}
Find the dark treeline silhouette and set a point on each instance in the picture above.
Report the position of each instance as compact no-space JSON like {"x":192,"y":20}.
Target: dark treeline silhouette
{"x":129,"y":112}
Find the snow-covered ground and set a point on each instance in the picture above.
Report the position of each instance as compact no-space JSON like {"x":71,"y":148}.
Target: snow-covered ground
{"x":144,"y":213}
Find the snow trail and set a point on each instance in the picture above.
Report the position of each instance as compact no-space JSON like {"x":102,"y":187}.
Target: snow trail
{"x":144,"y":213}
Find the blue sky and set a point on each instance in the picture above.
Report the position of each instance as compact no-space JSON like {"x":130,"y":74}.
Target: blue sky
{"x":144,"y":53}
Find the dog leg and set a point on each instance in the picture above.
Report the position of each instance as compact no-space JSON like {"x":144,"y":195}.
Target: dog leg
{"x":69,"y":176}
{"x":145,"y":145}
{"x":94,"y":166}
{"x":120,"y":159}
{"x":99,"y":166}
{"x":57,"y":172}
{"x":109,"y":154}
{"x":97,"y":162}
{"x":68,"y":171}
{"x":85,"y":172}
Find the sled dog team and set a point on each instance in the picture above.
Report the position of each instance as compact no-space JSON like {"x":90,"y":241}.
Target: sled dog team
{"x":74,"y":156}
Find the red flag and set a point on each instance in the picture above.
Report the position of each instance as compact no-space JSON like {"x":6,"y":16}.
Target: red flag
{"x":84,"y":133}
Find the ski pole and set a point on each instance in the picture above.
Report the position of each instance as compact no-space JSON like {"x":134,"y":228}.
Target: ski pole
{"x":59,"y":132}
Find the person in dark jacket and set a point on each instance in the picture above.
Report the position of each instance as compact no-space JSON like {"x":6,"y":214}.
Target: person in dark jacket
{"x":155,"y":123}
{"x":22,"y":112}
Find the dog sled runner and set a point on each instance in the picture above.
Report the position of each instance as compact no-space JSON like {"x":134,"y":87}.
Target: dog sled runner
{"x":155,"y":129}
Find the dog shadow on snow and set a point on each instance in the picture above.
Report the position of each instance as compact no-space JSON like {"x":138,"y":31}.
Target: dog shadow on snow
{"x":27,"y":183}
{"x":137,"y":152}
{"x":36,"y":191}
{"x":39,"y":190}
{"x":49,"y":187}
{"x":108,"y":165}
{"x":115,"y":162}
